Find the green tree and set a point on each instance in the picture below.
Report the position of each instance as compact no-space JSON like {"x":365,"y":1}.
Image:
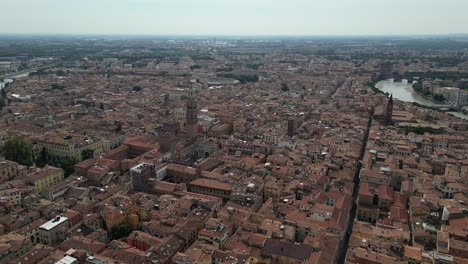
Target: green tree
{"x":120,"y":230}
{"x":254,"y":66}
{"x":193,"y":67}
{"x":419,"y":130}
{"x":60,"y":73}
{"x":284,"y":87}
{"x":87,"y":154}
{"x":243,"y":78}
{"x":57,"y":87}
{"x":42,"y":159}
{"x":137,"y":88}
{"x":68,"y":166}
{"x":19,"y":150}
{"x":438,"y":97}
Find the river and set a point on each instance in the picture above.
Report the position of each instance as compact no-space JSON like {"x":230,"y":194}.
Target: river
{"x":404,"y":91}
{"x":11,"y":78}
{"x":4,"y":82}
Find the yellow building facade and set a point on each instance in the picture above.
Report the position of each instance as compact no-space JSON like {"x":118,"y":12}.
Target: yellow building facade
{"x":46,"y":177}
{"x":72,"y":147}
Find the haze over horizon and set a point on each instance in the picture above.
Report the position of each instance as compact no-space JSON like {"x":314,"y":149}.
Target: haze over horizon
{"x":239,"y":17}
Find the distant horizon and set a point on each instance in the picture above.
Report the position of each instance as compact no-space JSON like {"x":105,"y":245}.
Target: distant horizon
{"x":435,"y":35}
{"x":235,"y":17}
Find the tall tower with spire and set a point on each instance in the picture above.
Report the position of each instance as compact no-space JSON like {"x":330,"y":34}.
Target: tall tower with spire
{"x":389,"y":112}
{"x":191,"y":118}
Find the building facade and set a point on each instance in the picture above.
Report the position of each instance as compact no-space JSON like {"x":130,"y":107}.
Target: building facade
{"x":46,"y":177}
{"x":53,"y":231}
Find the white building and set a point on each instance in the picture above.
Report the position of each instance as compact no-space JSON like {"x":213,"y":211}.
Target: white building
{"x":68,"y":260}
{"x":53,"y":231}
{"x":456,"y":96}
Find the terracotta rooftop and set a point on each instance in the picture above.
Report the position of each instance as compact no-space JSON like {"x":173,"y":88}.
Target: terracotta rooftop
{"x":212,"y":184}
{"x":274,"y":247}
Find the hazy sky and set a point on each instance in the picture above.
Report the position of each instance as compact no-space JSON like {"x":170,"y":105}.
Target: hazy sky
{"x":234,"y":17}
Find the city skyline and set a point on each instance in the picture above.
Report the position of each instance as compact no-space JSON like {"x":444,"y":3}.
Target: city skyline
{"x":235,"y":18}
{"x":233,"y":131}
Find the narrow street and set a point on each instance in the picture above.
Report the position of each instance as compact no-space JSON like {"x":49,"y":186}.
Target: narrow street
{"x":352,"y":214}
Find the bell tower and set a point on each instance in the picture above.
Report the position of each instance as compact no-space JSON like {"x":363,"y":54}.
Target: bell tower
{"x":389,"y":112}
{"x":191,"y":118}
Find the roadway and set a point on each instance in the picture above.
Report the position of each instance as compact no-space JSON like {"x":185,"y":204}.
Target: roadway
{"x":352,"y":214}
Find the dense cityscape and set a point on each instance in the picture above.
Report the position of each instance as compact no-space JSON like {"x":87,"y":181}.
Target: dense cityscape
{"x":233,"y":150}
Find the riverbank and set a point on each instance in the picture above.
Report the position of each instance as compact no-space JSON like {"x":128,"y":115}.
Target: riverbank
{"x":9,"y":78}
{"x":404,"y":91}
{"x":4,"y":83}
{"x":28,"y":71}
